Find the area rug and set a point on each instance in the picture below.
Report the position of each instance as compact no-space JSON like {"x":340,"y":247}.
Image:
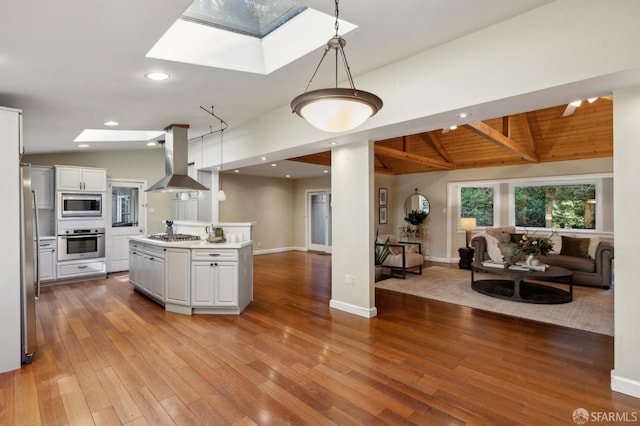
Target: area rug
{"x":590,"y":310}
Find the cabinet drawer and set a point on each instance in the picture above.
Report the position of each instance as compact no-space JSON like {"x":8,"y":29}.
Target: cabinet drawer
{"x":79,"y":269}
{"x":154,"y":251}
{"x":47,"y":245}
{"x":213,"y":254}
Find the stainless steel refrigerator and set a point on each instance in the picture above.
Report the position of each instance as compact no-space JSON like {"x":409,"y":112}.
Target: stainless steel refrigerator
{"x":29,"y":271}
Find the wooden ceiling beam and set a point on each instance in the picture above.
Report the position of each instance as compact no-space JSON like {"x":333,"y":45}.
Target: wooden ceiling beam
{"x":414,"y":158}
{"x":492,"y":135}
{"x":526,"y":128}
{"x":432,"y":139}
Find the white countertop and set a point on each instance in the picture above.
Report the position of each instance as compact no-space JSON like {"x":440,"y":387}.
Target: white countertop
{"x":198,"y":244}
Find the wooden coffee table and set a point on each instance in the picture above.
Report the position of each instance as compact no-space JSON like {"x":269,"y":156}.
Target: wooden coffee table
{"x":517,"y":285}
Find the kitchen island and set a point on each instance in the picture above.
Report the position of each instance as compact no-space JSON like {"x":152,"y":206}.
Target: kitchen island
{"x":193,"y":277}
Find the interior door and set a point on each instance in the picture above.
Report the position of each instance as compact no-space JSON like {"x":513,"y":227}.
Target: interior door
{"x":126,"y":216}
{"x":319,"y":221}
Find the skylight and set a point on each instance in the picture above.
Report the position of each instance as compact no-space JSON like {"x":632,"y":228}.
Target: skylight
{"x":102,"y":135}
{"x":257,"y":36}
{"x":250,"y":17}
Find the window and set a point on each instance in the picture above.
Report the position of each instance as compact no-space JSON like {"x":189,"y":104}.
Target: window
{"x":478,"y":202}
{"x":556,"y":206}
{"x":124,"y":202}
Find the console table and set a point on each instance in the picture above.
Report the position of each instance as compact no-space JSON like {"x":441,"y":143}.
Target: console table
{"x":517,"y":285}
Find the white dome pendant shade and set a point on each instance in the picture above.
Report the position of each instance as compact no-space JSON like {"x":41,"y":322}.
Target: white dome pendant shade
{"x":221,"y":195}
{"x":336,"y":109}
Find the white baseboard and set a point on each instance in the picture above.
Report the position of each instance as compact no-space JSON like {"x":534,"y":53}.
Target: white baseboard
{"x":278,"y":250}
{"x":353,"y":309}
{"x":441,"y":259}
{"x":624,"y":385}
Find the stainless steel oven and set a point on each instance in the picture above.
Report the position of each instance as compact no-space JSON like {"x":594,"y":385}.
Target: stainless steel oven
{"x":74,"y":205}
{"x":76,"y":244}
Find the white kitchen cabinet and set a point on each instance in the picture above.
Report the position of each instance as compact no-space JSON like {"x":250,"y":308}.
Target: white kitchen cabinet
{"x":47,"y":256}
{"x":80,"y":179}
{"x":178,"y":276}
{"x":72,"y":269}
{"x":225,"y":284}
{"x":195,"y":279}
{"x":42,"y":183}
{"x":203,"y":277}
{"x":214,"y":284}
{"x":146,"y":269}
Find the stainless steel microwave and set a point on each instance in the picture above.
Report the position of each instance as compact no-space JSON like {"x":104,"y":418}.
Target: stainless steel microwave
{"x":80,"y":205}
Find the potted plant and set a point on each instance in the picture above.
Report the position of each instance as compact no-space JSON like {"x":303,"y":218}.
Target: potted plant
{"x":533,"y":247}
{"x":416,"y":217}
{"x":381,"y":252}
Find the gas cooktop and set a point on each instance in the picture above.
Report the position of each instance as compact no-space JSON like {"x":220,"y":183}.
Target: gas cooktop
{"x":174,"y":237}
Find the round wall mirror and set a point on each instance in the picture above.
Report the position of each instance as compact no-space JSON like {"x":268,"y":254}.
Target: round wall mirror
{"x":416,"y":202}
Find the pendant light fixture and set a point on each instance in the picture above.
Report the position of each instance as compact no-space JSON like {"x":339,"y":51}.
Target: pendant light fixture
{"x":221,"y":195}
{"x":336,"y":109}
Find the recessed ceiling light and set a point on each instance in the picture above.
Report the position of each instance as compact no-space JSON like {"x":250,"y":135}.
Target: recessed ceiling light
{"x":463,"y":114}
{"x":288,"y":176}
{"x":273,"y":164}
{"x":334,"y":143}
{"x":264,"y":158}
{"x":237,"y":171}
{"x":157,"y":76}
{"x":83,"y":145}
{"x":325,"y":171}
{"x":453,"y":127}
{"x":111,"y":123}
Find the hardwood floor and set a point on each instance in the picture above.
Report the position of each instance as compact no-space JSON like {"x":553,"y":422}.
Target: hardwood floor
{"x":108,"y":355}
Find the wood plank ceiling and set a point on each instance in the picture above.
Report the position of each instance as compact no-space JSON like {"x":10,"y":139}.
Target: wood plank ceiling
{"x":532,"y":137}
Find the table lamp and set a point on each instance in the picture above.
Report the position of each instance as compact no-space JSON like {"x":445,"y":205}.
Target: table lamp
{"x":468,"y":224}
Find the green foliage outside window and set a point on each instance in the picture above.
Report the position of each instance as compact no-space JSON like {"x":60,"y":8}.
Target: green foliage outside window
{"x":557,"y":206}
{"x":478,"y":203}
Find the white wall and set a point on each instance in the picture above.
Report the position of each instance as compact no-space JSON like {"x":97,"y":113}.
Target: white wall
{"x":626,"y":132}
{"x":267,"y":201}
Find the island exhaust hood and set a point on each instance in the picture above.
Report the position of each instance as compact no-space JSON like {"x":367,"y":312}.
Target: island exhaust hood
{"x":176,"y":163}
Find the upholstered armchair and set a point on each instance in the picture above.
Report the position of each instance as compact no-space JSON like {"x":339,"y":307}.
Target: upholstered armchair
{"x":404,"y":257}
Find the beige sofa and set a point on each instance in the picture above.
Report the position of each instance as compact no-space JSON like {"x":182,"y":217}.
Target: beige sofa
{"x":593,"y":271}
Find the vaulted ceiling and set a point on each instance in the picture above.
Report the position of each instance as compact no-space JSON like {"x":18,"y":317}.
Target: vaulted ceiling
{"x":533,"y":137}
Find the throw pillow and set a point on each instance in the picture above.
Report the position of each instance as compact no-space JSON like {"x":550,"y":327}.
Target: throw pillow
{"x":578,"y":247}
{"x":557,"y":244}
{"x":394,"y":241}
{"x":594,"y":242}
{"x":495,"y":232}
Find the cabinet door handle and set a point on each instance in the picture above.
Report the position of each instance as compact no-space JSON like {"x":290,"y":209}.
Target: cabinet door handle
{"x":83,"y":267}
{"x":214,"y":254}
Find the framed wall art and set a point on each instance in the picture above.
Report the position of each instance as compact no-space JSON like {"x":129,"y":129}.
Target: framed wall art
{"x":382,"y":196}
{"x":382,"y":215}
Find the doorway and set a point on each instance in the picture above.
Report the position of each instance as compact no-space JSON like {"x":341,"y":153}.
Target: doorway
{"x":319,"y":220}
{"x":125,"y":213}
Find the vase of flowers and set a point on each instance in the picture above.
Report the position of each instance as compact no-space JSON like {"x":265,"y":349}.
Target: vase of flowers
{"x":533,"y":247}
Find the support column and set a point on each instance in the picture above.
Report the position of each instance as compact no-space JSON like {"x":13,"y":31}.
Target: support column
{"x":352,"y":273}
{"x":625,"y":377}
